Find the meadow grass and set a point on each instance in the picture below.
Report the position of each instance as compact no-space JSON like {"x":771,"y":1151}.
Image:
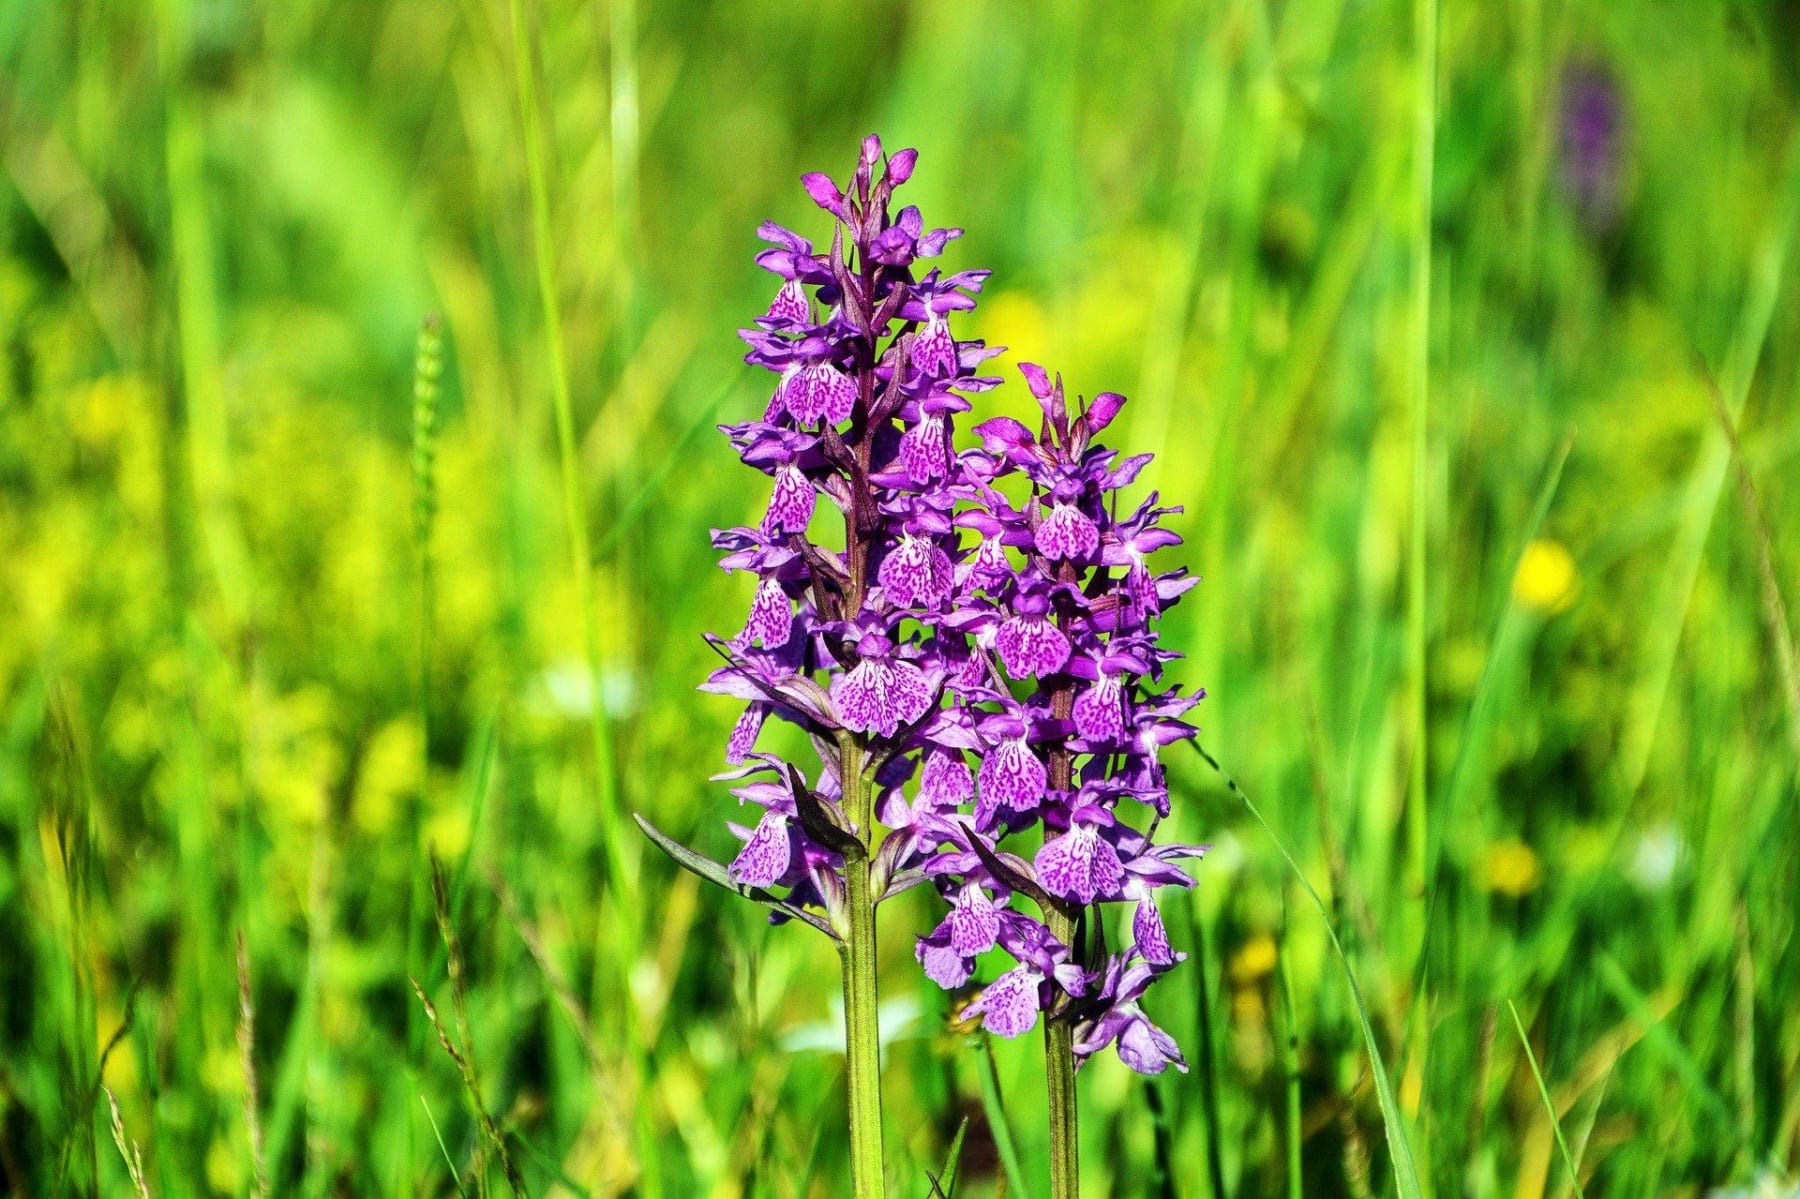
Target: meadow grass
{"x":1490,"y":480}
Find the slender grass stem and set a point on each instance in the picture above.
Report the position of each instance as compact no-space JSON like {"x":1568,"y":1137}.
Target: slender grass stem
{"x":1549,"y":1104}
{"x":573,"y":494}
{"x":1416,"y":578}
{"x":1290,"y":1041}
{"x":1209,"y":1082}
{"x":624,"y":928}
{"x":1406,"y":1170}
{"x":1418,"y":836}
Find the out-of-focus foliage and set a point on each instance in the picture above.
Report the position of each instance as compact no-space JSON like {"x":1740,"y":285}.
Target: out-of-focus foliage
{"x":223,"y":223}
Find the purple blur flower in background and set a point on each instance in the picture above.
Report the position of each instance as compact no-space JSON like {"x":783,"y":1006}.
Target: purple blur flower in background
{"x":1592,"y":130}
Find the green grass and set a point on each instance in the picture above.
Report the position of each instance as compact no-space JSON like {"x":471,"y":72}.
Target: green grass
{"x":1487,"y":619}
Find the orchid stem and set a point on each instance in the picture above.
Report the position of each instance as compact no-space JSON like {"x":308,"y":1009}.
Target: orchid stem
{"x":862,"y":1020}
{"x":1059,"y":1079}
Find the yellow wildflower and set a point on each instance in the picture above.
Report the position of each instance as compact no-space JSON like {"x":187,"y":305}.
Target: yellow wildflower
{"x":1546,"y":580}
{"x":1510,"y":867}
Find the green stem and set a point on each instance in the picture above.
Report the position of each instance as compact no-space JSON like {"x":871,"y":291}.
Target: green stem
{"x":1059,"y":1080}
{"x":1290,"y":1065}
{"x":862,"y":1020}
{"x":622,"y":877}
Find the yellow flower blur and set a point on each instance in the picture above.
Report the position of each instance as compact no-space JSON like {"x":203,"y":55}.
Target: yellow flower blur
{"x":1546,"y":580}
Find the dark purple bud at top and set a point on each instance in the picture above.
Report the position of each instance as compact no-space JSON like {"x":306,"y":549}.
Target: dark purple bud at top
{"x":900,"y":166}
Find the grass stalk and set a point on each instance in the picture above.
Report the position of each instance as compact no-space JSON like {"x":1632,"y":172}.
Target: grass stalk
{"x":1290,"y":1063}
{"x":465,"y":1070}
{"x":246,"y":1039}
{"x":1424,"y":135}
{"x":1562,"y":1144}
{"x":1418,"y":824}
{"x":1406,"y":1170}
{"x":573,"y":493}
{"x":1208,"y":1054}
{"x":128,"y":1149}
{"x":1774,"y":604}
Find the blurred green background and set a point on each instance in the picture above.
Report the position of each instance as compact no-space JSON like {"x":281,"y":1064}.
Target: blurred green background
{"x":1435,"y":319}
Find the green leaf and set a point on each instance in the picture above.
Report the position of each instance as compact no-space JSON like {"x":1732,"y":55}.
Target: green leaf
{"x":716,"y":874}
{"x":943,"y":1186}
{"x":998,"y":1124}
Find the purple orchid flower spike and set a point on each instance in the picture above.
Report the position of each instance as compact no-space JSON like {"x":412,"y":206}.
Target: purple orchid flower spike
{"x":969,"y":668}
{"x":1065,"y":700}
{"x":846,"y":634}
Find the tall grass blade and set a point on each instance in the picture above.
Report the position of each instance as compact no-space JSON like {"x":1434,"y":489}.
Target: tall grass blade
{"x":1406,"y":1171}
{"x":1774,"y":604}
{"x":1208,"y":1054}
{"x":1549,"y":1103}
{"x":575,"y":513}
{"x":998,"y":1123}
{"x":449,"y":1162}
{"x":246,"y":1039}
{"x":1656,"y":1033}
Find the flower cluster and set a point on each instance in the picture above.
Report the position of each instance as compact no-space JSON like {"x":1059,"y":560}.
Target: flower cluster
{"x":844,"y":642}
{"x":1066,"y":717}
{"x":975,"y":661}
